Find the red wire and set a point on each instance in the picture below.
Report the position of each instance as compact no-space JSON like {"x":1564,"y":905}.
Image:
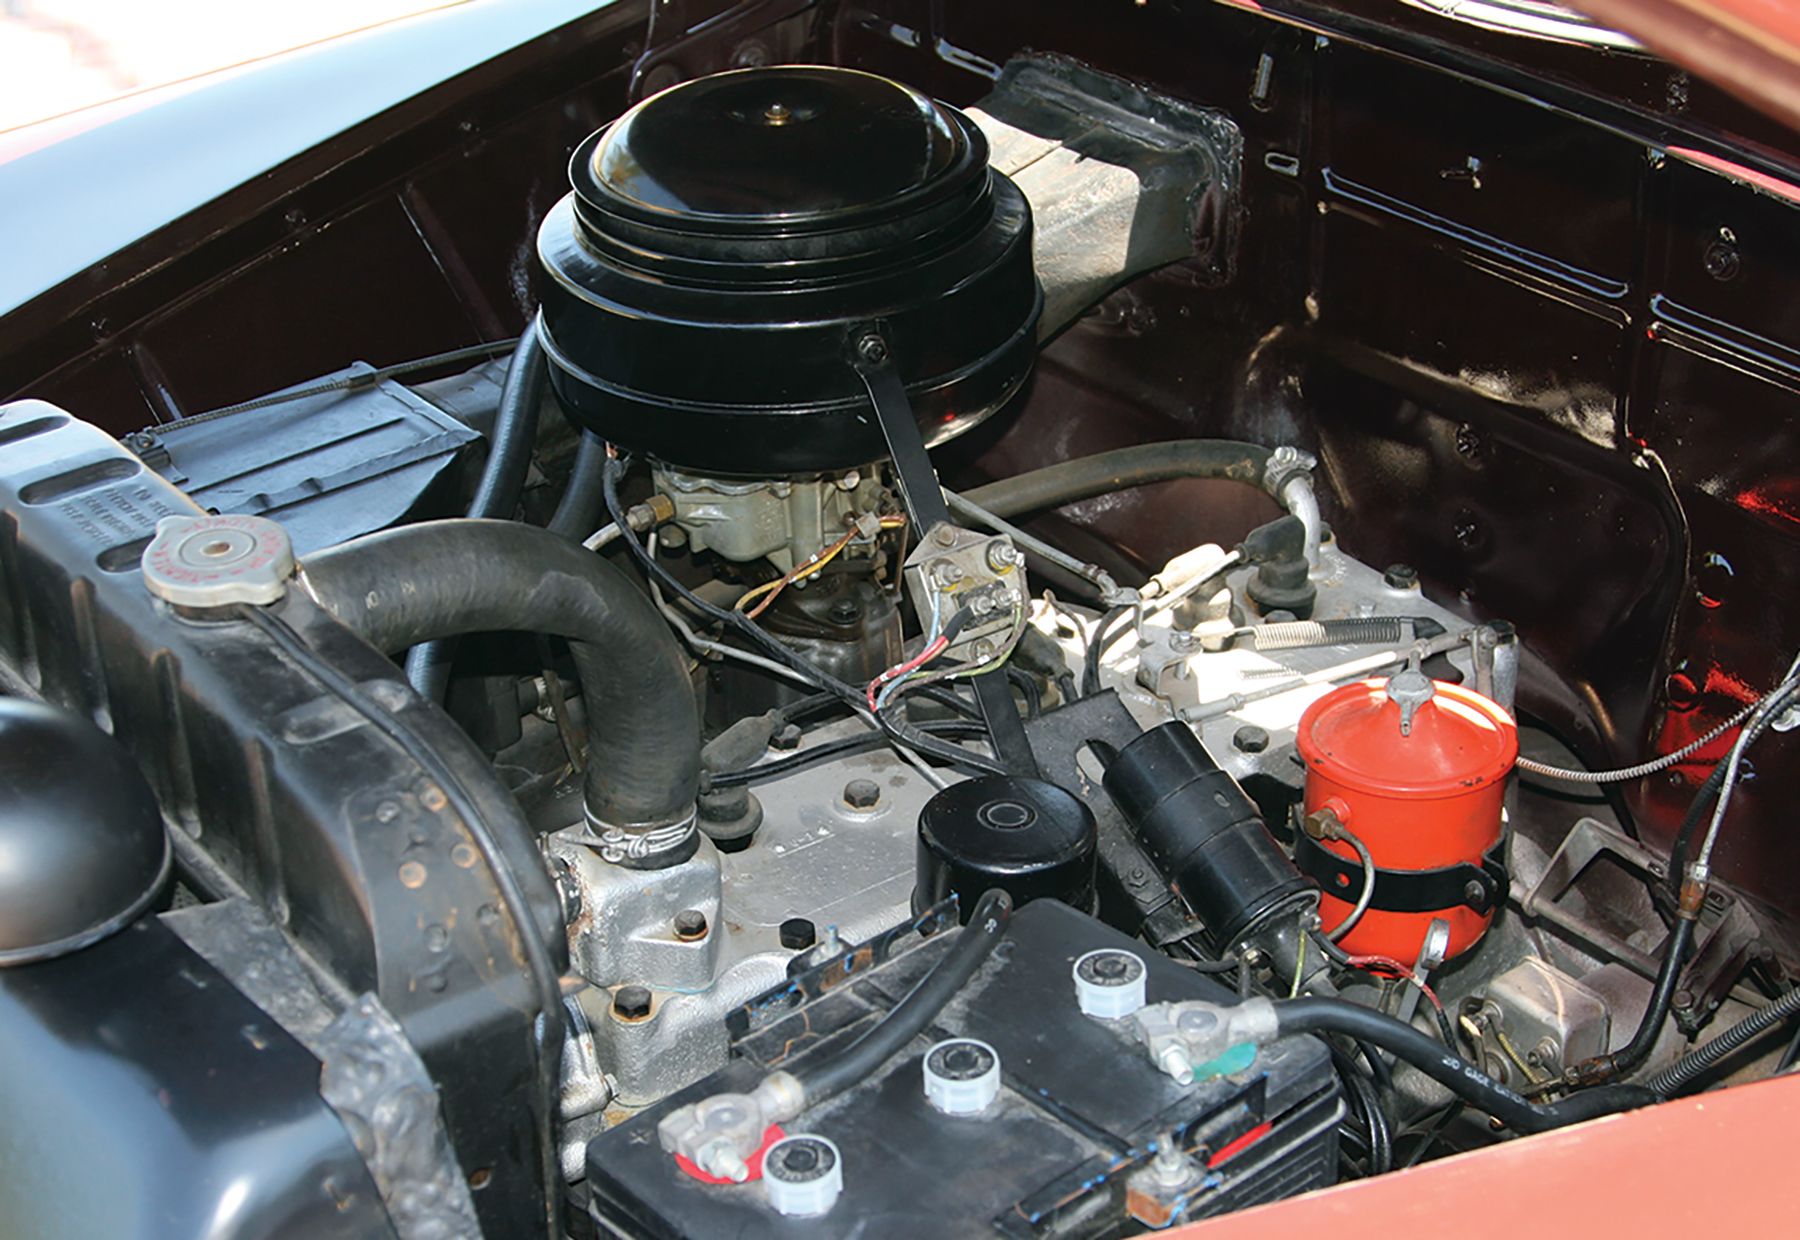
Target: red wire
{"x":1405,"y":974}
{"x":925,"y":656}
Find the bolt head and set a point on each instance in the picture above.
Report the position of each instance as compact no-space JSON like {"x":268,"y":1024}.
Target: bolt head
{"x":1474,"y":892}
{"x":862,"y":794}
{"x":872,"y":349}
{"x":1401,"y":577}
{"x":1001,"y":555}
{"x":798,"y":934}
{"x":787,"y":739}
{"x":631,"y":1002}
{"x":844,"y":612}
{"x":1250,"y":739}
{"x":690,"y":924}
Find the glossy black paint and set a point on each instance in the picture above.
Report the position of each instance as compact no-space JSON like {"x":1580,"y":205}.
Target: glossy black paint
{"x":143,"y":1098}
{"x":1566,"y":394}
{"x":279,"y":790}
{"x":82,"y":847}
{"x":729,"y":244}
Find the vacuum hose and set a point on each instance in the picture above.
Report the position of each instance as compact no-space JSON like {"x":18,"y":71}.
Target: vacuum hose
{"x":502,"y":481}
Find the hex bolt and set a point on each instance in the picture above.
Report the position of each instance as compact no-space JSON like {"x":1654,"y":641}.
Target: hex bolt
{"x":690,"y":924}
{"x":631,"y":1002}
{"x":872,"y":349}
{"x":787,"y":739}
{"x":1183,"y":642}
{"x":1250,"y":739}
{"x":798,"y":934}
{"x":844,"y":611}
{"x":1401,"y":577}
{"x":862,"y":794}
{"x":944,"y":535}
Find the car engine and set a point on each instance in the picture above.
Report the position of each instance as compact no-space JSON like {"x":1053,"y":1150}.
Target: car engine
{"x":741,"y":757}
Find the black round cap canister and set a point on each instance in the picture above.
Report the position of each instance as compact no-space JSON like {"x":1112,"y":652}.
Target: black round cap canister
{"x":1031,"y":839}
{"x":729,"y":241}
{"x":82,"y":845}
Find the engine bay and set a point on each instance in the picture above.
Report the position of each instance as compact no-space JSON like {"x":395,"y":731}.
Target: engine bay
{"x":904,"y":700}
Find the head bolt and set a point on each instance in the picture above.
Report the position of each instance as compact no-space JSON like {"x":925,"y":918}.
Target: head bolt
{"x":1401,"y":577}
{"x":690,"y":924}
{"x":798,"y":934}
{"x":862,"y":794}
{"x":631,"y":1002}
{"x":1250,"y":739}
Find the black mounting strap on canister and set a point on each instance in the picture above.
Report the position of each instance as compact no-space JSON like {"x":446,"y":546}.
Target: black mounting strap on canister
{"x":1478,"y":887}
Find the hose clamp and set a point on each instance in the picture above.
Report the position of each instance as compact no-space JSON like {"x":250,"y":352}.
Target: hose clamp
{"x":1284,"y":463}
{"x":633,"y":848}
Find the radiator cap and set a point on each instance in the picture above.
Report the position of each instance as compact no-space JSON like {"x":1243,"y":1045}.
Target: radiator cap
{"x":82,"y":845}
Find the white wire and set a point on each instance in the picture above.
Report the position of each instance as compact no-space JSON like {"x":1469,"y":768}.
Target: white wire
{"x":708,"y":646}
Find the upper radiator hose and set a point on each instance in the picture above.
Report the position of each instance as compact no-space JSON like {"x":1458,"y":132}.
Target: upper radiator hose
{"x":447,"y":578}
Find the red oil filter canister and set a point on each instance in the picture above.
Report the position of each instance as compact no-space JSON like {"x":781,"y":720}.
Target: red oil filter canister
{"x":1416,"y":769}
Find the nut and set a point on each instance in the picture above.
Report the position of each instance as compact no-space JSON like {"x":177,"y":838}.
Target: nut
{"x":862,"y":794}
{"x":1001,"y":555}
{"x":690,"y":924}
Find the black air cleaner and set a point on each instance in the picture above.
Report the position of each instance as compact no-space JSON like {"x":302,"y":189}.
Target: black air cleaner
{"x":729,"y":240}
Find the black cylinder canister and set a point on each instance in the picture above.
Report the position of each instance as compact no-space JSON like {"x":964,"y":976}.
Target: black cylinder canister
{"x":1204,"y":833}
{"x":1029,"y":838}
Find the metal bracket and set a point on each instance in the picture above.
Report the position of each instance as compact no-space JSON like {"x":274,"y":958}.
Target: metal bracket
{"x":924,"y":499}
{"x":1586,"y":841}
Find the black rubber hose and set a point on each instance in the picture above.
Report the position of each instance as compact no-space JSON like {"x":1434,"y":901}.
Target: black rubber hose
{"x":1425,"y":1053}
{"x":1122,"y":468}
{"x":1681,"y":938}
{"x":444,"y":578}
{"x":1662,"y":998}
{"x":584,"y":499}
{"x":1690,"y":1066}
{"x":502,"y":480}
{"x":1096,"y":649}
{"x":856,"y":1062}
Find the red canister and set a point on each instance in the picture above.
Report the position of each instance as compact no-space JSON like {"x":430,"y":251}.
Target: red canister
{"x":1424,"y":798}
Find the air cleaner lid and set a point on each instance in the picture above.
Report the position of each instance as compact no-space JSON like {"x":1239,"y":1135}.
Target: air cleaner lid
{"x":1459,"y":741}
{"x":801,"y":145}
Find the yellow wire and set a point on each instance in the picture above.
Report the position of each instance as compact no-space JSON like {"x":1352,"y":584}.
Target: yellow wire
{"x":813,"y":565}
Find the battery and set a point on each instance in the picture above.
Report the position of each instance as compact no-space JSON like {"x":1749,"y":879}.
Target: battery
{"x":1063,"y":1151}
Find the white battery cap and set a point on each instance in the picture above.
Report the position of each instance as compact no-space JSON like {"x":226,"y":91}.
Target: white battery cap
{"x":962,"y":1076}
{"x":1109,"y":983}
{"x":803,"y":1175}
